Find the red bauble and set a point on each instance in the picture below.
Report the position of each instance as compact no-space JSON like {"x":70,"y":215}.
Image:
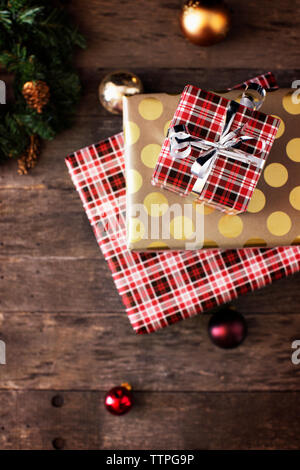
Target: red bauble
{"x":205,"y":22}
{"x":118,"y":400}
{"x":227,"y":329}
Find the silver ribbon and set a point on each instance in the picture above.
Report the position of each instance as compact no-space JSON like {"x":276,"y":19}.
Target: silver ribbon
{"x":181,"y":142}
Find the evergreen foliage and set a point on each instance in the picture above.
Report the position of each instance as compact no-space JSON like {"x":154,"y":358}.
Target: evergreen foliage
{"x":36,"y":43}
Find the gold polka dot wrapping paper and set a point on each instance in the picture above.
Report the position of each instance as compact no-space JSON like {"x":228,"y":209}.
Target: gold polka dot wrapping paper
{"x":159,"y":219}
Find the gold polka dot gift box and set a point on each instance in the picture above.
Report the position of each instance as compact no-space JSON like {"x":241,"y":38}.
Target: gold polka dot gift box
{"x":158,"y":219}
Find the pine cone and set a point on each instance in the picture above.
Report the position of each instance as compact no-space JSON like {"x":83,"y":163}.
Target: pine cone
{"x":29,"y":158}
{"x":36,"y":94}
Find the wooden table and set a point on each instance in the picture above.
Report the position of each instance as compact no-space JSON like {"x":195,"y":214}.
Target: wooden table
{"x":64,"y":325}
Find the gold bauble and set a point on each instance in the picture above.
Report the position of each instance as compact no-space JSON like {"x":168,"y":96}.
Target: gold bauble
{"x":205,"y":22}
{"x":116,"y":85}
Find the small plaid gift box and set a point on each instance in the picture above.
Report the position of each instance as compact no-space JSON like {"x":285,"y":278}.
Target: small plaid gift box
{"x":159,"y":289}
{"x":216,"y":149}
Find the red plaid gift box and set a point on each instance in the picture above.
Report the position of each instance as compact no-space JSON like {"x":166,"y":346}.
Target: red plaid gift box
{"x":229,"y":182}
{"x":159,"y":289}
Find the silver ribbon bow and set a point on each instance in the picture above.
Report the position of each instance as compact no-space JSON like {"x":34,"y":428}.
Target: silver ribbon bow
{"x":181,"y":142}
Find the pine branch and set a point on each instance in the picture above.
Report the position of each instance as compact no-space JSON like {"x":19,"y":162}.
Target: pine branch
{"x":36,"y":44}
{"x":29,"y":16}
{"x":5,"y":18}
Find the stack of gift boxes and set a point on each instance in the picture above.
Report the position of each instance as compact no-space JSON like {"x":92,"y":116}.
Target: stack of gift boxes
{"x":241,"y":204}
{"x":212,"y":180}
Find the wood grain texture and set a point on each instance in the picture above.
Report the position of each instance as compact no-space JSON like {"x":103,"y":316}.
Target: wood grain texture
{"x":55,"y":283}
{"x":120,"y":34}
{"x":49,"y":222}
{"x":63,"y":322}
{"x":158,"y":421}
{"x":91,"y":351}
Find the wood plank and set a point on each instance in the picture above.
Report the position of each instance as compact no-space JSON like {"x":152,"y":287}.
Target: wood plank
{"x":182,"y":421}
{"x":68,"y":284}
{"x":119,"y":35}
{"x":30,"y":421}
{"x":37,"y":221}
{"x":94,"y":123}
{"x":61,"y":318}
{"x":88,"y":351}
{"x":57,"y":284}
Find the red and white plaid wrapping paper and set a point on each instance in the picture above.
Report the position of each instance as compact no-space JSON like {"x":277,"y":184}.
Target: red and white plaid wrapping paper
{"x":159,"y":289}
{"x":230,"y":183}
